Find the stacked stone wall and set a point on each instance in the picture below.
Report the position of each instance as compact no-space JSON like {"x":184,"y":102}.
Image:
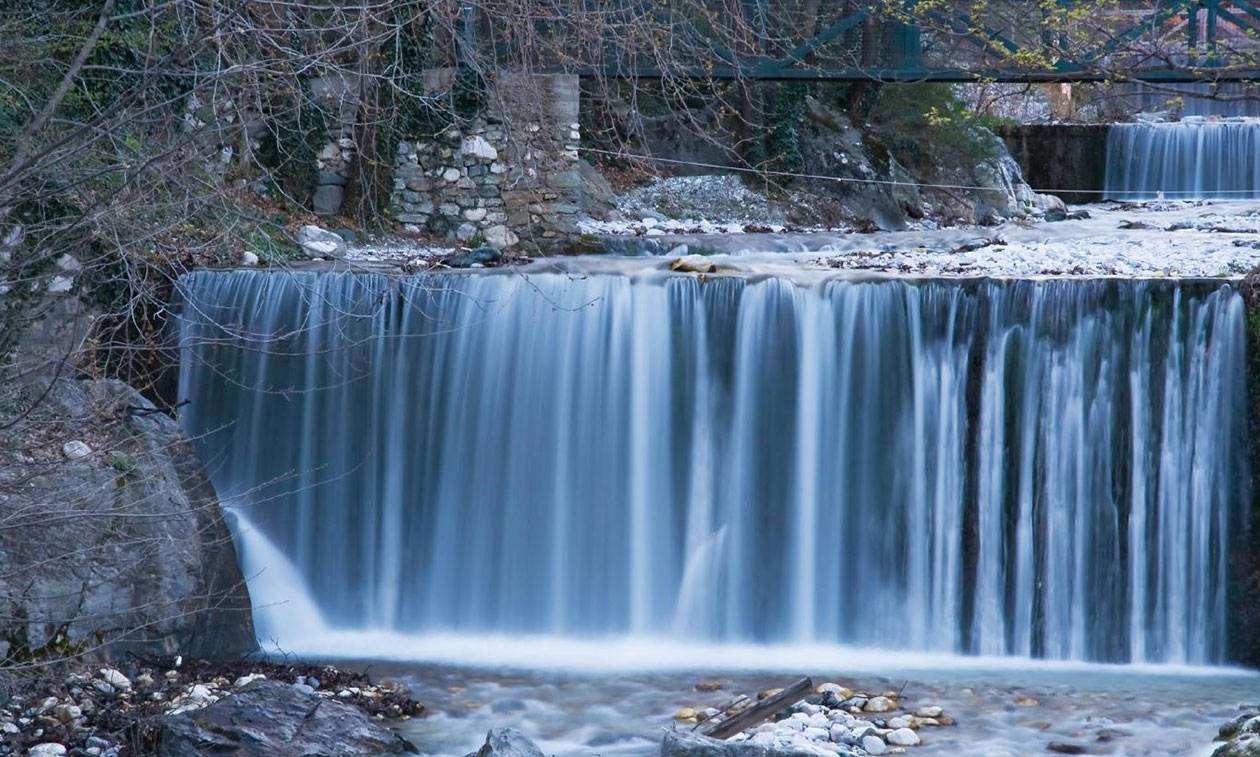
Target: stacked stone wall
{"x":510,"y":176}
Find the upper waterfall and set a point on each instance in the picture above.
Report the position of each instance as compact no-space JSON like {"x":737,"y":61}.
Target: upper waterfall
{"x":1185,"y":160}
{"x":1037,"y":468}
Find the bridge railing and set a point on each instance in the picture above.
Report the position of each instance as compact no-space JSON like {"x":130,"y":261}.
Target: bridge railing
{"x":886,"y":40}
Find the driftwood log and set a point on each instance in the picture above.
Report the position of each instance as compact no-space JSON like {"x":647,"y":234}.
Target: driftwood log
{"x":724,"y":729}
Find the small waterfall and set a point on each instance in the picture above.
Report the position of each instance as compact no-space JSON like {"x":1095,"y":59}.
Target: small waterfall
{"x":280,"y":596}
{"x":1186,"y":160}
{"x":1029,"y":468}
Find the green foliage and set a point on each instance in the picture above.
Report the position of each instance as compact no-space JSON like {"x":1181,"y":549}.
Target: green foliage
{"x":926,"y":125}
{"x":124,"y":464}
{"x":298,"y":131}
{"x":783,"y":148}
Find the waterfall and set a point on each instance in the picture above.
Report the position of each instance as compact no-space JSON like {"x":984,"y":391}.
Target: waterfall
{"x":1186,"y":160}
{"x":1032,"y":468}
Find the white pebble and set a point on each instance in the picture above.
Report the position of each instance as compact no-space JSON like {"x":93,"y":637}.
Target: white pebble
{"x":901,"y":721}
{"x":75,"y":450}
{"x":904,"y":737}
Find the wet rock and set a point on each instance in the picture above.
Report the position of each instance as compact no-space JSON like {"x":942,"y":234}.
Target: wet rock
{"x":1245,"y":745}
{"x":685,"y":713}
{"x":695,"y":264}
{"x":1232,"y":728}
{"x":47,"y":750}
{"x":687,"y":744}
{"x":902,"y":721}
{"x":274,"y":718}
{"x":507,"y":742}
{"x":1026,"y":701}
{"x":476,"y":256}
{"x":1066,"y":747}
{"x":880,"y":704}
{"x":709,"y":686}
{"x":929,"y":712}
{"x":874,"y":744}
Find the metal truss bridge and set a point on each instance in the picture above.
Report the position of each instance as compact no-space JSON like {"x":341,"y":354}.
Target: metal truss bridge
{"x":1156,"y":41}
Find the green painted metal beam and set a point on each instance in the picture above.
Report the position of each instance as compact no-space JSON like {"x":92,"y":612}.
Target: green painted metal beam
{"x":907,"y":75}
{"x":904,"y":61}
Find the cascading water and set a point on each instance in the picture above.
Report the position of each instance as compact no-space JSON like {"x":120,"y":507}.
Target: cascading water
{"x":1186,"y":160}
{"x":1039,"y":468}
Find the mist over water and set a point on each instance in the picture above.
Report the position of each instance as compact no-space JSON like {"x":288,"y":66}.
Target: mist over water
{"x":1036,"y":468}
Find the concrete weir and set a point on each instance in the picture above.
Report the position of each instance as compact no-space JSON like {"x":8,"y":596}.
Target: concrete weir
{"x":1067,"y":160}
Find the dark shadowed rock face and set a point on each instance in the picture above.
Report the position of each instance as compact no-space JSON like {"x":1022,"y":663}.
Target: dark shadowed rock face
{"x":274,"y":719}
{"x":112,"y":537}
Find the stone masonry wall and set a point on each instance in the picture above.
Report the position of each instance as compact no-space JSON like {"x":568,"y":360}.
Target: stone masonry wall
{"x":510,"y":176}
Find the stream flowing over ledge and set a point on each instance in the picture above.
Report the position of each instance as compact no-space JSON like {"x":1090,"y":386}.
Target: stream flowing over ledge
{"x":922,"y":465}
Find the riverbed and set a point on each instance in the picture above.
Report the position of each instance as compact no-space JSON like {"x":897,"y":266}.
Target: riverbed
{"x":1003,"y":708}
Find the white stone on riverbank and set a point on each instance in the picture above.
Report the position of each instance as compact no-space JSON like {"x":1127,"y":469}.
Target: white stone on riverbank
{"x":826,"y":724}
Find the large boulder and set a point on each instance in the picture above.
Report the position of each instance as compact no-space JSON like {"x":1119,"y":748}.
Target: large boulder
{"x":113,"y":539}
{"x":857,"y":168}
{"x":1245,"y":745}
{"x":1009,"y":195}
{"x":321,"y":243}
{"x":274,"y":719}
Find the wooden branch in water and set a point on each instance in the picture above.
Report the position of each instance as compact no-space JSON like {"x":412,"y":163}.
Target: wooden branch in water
{"x":764,"y":709}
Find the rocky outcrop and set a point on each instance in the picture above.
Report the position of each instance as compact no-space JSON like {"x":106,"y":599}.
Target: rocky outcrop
{"x":850,"y":177}
{"x":273,"y":719}
{"x":111,"y":537}
{"x":688,"y":744}
{"x":507,"y":742}
{"x":1241,"y":735}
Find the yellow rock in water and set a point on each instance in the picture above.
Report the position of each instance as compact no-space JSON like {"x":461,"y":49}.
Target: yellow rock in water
{"x":685,"y":713}
{"x":834,"y":688}
{"x":768,"y":693}
{"x":1026,"y":701}
{"x":693,"y":264}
